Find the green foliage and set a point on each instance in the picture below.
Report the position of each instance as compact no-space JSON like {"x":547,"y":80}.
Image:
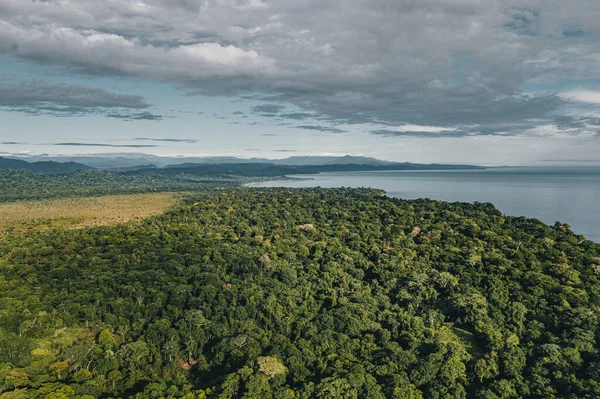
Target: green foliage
{"x":306,"y":293}
{"x":271,"y":366}
{"x":21,"y":185}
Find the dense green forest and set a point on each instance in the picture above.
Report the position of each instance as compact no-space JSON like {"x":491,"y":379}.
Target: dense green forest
{"x":19,"y":185}
{"x":303,"y":293}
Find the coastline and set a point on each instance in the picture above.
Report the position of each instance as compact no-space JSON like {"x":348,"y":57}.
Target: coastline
{"x":276,"y":180}
{"x":575,"y":186}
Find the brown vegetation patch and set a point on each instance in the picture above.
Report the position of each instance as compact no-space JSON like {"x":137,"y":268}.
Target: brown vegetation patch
{"x":306,"y":227}
{"x":187,"y":365}
{"x":77,"y":213}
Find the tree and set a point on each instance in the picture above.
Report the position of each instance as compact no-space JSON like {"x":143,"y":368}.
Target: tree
{"x":271,"y":366}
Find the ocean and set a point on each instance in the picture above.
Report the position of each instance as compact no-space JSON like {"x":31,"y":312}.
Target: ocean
{"x":566,"y":194}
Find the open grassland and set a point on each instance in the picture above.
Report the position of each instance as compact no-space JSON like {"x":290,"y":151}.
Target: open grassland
{"x":76,"y":213}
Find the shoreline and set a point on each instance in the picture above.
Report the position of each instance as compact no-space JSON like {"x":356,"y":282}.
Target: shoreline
{"x":485,"y":187}
{"x":277,"y":180}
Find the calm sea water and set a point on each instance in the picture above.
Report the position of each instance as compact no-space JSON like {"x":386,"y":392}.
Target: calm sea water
{"x":570,"y":195}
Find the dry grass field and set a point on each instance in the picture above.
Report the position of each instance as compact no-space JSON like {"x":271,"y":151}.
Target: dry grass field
{"x":76,"y":213}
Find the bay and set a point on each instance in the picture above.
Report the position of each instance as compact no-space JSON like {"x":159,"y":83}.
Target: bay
{"x":566,"y":194}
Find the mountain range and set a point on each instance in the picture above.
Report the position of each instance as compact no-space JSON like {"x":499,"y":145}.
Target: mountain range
{"x":126,"y":161}
{"x":42,"y":166}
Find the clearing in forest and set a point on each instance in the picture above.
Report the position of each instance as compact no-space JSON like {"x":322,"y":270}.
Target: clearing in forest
{"x":76,"y":213}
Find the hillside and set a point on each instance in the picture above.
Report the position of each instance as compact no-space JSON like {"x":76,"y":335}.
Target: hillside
{"x":49,"y":167}
{"x":271,"y":169}
{"x":305,"y":293}
{"x":135,"y":160}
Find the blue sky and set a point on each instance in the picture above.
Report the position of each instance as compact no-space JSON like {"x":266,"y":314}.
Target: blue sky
{"x":457,"y":81}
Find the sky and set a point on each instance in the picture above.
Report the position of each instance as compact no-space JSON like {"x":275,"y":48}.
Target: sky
{"x":490,"y":82}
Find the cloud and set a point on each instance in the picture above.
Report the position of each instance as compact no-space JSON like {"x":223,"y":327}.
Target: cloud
{"x":561,"y":127}
{"x":169,"y":140}
{"x":94,"y":50}
{"x":570,"y":160}
{"x":421,"y":129}
{"x":57,"y":99}
{"x":268,"y":108}
{"x":11,"y":143}
{"x":421,"y":134}
{"x":76,"y":144}
{"x":324,"y":129}
{"x":238,"y":113}
{"x":355,"y":64}
{"x":586,"y":96}
{"x":296,"y":115}
{"x":140,"y":116}
{"x":552,"y":130}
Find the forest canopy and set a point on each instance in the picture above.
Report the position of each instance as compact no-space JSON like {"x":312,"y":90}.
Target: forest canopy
{"x":302,"y":293}
{"x":22,"y":185}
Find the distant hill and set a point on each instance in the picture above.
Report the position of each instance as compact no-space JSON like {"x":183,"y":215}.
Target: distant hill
{"x":280,"y":168}
{"x":327,"y":160}
{"x":291,"y":161}
{"x":122,"y":161}
{"x":271,"y":169}
{"x":49,"y":167}
{"x":107,"y":160}
{"x":134,"y":168}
